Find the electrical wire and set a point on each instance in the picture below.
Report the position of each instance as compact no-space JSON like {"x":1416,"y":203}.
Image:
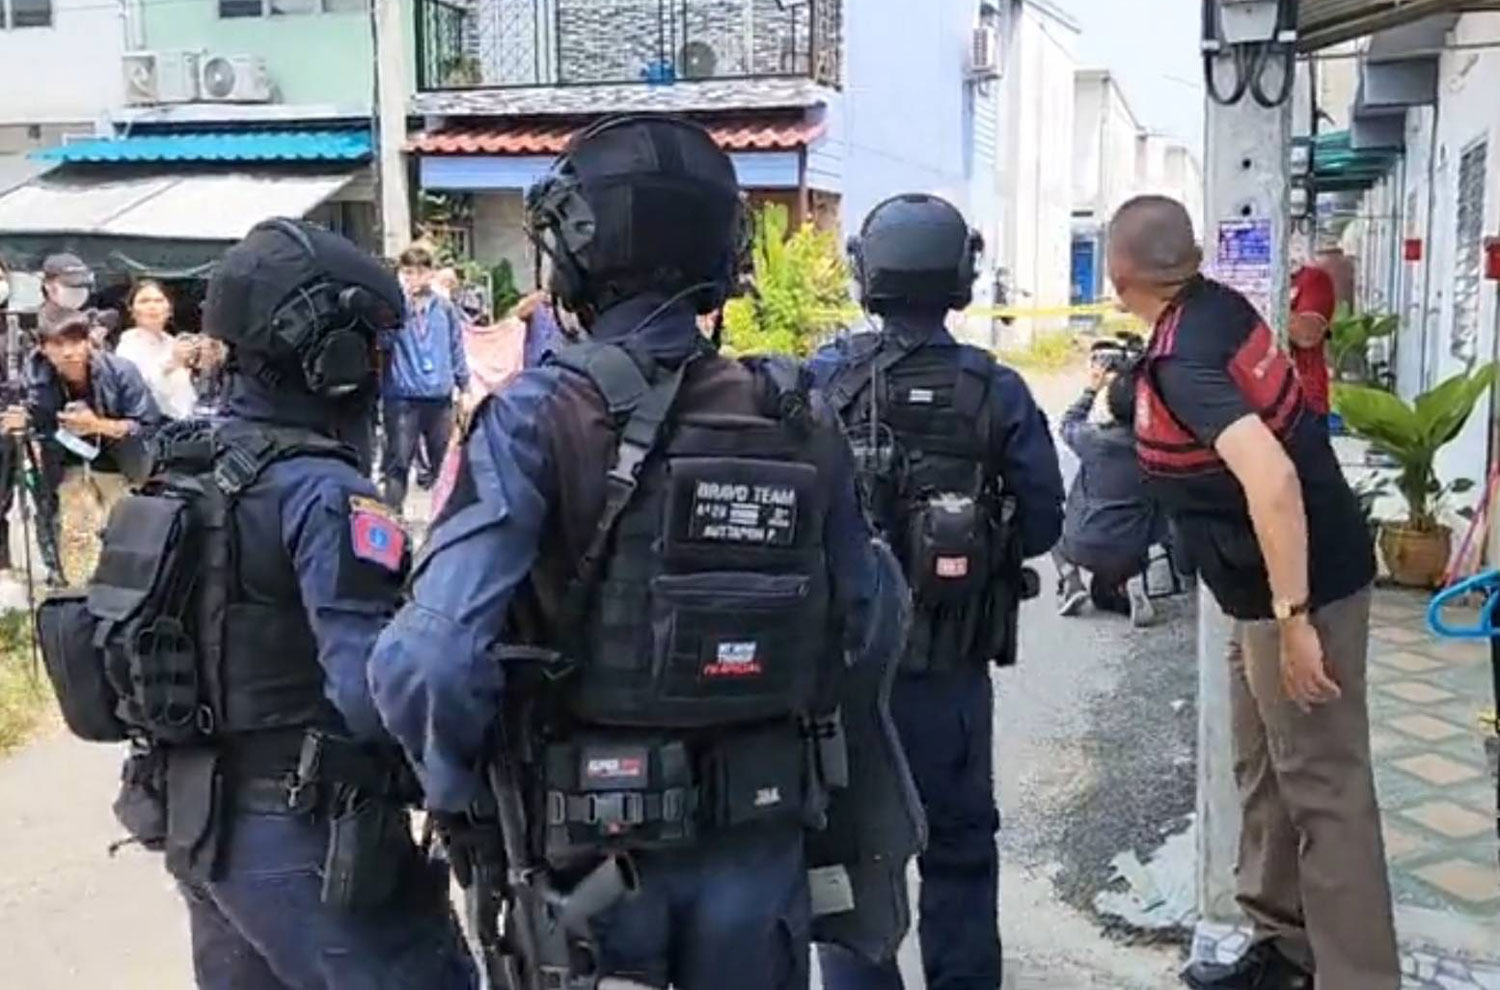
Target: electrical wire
{"x":1250,"y":61}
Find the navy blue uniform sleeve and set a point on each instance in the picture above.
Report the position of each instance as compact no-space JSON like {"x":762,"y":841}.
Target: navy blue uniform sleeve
{"x":345,"y":615}
{"x":1201,"y":396}
{"x":1028,"y":462}
{"x":456,"y":344}
{"x":436,"y":686}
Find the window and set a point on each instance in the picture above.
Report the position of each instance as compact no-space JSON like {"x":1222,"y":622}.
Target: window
{"x":285,"y":8}
{"x":1468,"y":254}
{"x":27,"y":14}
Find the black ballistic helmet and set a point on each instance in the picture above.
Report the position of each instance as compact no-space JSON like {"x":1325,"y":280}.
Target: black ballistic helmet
{"x":915,"y":252}
{"x":300,"y":307}
{"x":639,"y":203}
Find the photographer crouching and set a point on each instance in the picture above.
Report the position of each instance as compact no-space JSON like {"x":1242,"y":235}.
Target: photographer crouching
{"x":1109,"y":522}
{"x":85,"y":409}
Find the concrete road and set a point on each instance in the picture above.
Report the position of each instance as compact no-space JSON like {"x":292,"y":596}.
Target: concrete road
{"x":1094,"y":742}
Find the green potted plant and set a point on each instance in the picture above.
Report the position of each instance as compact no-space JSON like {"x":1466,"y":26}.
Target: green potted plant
{"x":1415,"y":549}
{"x":1349,"y":337}
{"x":801,"y":290}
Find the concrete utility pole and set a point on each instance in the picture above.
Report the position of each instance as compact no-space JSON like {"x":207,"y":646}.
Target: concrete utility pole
{"x":389,"y":120}
{"x":1246,"y":216}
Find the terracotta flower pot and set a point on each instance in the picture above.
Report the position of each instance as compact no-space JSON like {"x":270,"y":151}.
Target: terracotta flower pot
{"x":1415,"y":557}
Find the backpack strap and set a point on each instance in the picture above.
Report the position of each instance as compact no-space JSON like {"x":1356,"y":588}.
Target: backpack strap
{"x":850,"y":381}
{"x":644,"y":406}
{"x":244,"y":453}
{"x":976,"y":372}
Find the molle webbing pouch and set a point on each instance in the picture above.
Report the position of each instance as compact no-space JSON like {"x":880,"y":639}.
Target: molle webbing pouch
{"x":621,"y":790}
{"x":65,"y":634}
{"x":948,"y":558}
{"x":140,"y":596}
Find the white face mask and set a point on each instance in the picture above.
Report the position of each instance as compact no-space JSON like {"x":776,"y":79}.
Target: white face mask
{"x":70,"y":297}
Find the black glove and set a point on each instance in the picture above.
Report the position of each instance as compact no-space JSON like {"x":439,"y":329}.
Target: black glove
{"x":473,"y":845}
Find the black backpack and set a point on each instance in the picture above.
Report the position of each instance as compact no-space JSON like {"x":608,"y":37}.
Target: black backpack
{"x":919,"y":419}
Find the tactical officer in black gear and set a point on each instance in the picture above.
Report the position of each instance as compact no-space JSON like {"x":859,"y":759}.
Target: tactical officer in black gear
{"x":238,"y":595}
{"x":959,"y":471}
{"x":648,"y":612}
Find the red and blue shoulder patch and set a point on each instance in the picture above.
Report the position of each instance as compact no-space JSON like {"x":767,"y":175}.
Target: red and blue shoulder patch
{"x":375,"y":534}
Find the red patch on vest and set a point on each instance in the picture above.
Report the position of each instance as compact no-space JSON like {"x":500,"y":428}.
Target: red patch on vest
{"x":375,"y":535}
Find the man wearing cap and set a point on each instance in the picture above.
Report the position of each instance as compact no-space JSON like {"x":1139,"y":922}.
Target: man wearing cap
{"x":67,"y":284}
{"x":87,"y":408}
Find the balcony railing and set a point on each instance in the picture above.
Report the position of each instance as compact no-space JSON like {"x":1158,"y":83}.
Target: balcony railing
{"x":479,"y":44}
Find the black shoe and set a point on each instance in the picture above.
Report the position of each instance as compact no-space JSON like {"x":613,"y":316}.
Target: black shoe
{"x":426,"y":481}
{"x":1262,"y":967}
{"x":55,"y":578}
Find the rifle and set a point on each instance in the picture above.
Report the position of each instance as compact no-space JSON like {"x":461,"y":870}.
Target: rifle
{"x":13,"y":393}
{"x":545,"y":943}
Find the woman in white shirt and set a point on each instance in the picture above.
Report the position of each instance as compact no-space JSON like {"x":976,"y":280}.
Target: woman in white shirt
{"x":164,"y":361}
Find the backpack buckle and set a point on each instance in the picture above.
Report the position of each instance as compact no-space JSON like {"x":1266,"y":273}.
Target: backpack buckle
{"x":234,"y":469}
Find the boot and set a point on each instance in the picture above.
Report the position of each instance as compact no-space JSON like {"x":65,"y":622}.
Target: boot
{"x":1262,"y":967}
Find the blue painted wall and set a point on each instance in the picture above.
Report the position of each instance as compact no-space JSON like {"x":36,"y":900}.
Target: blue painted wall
{"x":905,"y":123}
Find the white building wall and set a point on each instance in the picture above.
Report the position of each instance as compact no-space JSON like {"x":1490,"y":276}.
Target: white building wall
{"x":1037,"y":186}
{"x":69,"y":72}
{"x":1467,"y":83}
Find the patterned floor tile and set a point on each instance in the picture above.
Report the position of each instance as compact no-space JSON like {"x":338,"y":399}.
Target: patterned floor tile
{"x":1437,"y":769}
{"x":1469,"y":881}
{"x":1402,"y":844}
{"x":1407,"y":661}
{"x":1404,"y":634}
{"x":1425,"y":727}
{"x":1452,"y":820}
{"x":1417,"y":692}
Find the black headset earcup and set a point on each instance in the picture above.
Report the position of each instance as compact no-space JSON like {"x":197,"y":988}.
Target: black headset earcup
{"x":340,"y":365}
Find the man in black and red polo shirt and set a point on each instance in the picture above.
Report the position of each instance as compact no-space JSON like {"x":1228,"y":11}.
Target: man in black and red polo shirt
{"x":1250,"y":479}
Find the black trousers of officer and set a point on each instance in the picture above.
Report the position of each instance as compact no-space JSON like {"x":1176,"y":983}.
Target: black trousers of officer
{"x":946,"y":721}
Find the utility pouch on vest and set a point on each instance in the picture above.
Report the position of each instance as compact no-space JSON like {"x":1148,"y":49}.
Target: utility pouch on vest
{"x":620,"y":790}
{"x":370,"y":853}
{"x":141,"y":806}
{"x":756,"y":778}
{"x":145,"y":568}
{"x":948,"y":558}
{"x":195,"y":808}
{"x":65,"y":633}
{"x":732,"y":646}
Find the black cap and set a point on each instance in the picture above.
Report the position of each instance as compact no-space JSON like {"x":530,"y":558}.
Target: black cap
{"x":68,"y":269}
{"x":57,"y":324}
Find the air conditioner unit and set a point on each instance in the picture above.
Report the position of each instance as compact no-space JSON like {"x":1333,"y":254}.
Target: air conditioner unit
{"x":697,"y":60}
{"x":984,"y":54}
{"x":153,"y":78}
{"x":233,"y":79}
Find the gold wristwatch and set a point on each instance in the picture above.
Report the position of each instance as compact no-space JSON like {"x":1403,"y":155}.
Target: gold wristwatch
{"x":1286,"y":611}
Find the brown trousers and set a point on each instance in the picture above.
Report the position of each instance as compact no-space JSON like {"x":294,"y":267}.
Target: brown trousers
{"x":84,"y":500}
{"x":1312,"y":873}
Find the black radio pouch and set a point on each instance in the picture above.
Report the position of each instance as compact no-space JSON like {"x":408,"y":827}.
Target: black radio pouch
{"x":370,"y":852}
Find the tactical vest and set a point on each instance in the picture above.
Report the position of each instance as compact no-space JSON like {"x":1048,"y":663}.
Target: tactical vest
{"x":918,"y":417}
{"x":202,"y":635}
{"x":1190,"y":475}
{"x":685,"y":579}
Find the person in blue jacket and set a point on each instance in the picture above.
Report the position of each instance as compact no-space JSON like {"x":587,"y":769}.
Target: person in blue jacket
{"x":424,"y":370}
{"x":318,"y":564}
{"x":529,"y":489}
{"x":952,"y":449}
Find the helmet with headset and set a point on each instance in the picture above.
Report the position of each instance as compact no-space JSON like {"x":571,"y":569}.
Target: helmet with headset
{"x":640,"y":203}
{"x":300,"y":307}
{"x":915,"y":251}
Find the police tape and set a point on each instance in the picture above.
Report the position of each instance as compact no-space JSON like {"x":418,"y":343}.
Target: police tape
{"x":1014,"y":313}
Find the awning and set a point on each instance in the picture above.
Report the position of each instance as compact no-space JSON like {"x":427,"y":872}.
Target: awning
{"x":1340,"y":167}
{"x":166,"y":222}
{"x":1321,"y":23}
{"x":549,"y":136}
{"x":347,"y":145}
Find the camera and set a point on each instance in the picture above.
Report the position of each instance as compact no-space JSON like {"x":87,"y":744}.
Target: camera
{"x":1118,"y":354}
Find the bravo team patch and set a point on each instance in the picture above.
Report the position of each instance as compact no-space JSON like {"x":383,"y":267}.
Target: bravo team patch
{"x":375,"y":534}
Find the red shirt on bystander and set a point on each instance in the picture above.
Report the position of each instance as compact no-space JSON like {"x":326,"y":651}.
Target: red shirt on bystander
{"x":1313,"y":295}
